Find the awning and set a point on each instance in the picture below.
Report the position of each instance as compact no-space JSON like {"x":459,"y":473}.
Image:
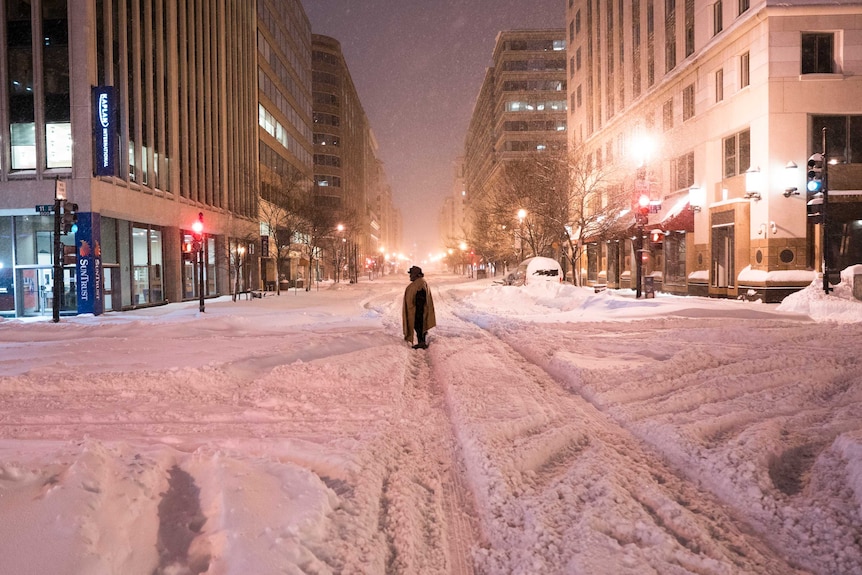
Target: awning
{"x":677,"y":217}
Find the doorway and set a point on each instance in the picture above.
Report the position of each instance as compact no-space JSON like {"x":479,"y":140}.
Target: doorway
{"x":723,"y":273}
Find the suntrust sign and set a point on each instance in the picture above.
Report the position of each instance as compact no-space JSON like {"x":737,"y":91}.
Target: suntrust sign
{"x":88,"y":263}
{"x":104,"y":132}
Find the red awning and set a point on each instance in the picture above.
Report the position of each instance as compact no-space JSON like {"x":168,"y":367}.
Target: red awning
{"x":676,"y":217}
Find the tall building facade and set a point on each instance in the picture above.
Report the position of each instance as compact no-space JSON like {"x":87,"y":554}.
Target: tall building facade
{"x":722,"y":104}
{"x":285,"y":136}
{"x":520,"y":113}
{"x":349,"y":178}
{"x":144,"y":115}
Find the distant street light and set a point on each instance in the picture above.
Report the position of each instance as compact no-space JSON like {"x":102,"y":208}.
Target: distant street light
{"x":522,"y":213}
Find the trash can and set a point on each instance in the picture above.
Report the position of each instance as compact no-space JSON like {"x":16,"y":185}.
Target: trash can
{"x":481,"y":274}
{"x":649,"y":286}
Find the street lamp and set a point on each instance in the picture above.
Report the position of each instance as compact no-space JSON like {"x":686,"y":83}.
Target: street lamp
{"x":522,"y":213}
{"x":198,"y":232}
{"x":642,"y":148}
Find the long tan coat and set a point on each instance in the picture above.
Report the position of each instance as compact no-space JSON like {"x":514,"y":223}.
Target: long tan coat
{"x":409,"y":309}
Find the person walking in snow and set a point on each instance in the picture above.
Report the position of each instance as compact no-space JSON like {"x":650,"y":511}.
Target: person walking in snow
{"x":418,"y":312}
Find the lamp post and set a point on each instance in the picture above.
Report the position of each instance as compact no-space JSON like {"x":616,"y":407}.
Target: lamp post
{"x":522,"y":213}
{"x":642,"y":218}
{"x":198,"y":229}
{"x":641,"y":150}
{"x":240,"y":262}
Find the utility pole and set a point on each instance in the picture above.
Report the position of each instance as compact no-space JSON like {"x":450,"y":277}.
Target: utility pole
{"x":825,"y":219}
{"x":59,"y":200}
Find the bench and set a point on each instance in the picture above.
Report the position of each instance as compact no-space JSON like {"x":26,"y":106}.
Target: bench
{"x":251,"y":294}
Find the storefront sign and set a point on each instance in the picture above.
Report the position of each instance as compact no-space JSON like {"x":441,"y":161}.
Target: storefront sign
{"x":104,"y":132}
{"x":88,"y":265}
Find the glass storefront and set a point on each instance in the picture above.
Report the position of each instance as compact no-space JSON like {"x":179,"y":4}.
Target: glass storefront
{"x":132,"y":266}
{"x":132,"y":261}
{"x":191,"y":273}
{"x":27,"y":267}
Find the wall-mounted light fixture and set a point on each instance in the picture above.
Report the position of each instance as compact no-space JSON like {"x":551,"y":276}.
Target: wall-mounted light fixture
{"x":752,"y":184}
{"x":696,"y":198}
{"x":791,"y":172}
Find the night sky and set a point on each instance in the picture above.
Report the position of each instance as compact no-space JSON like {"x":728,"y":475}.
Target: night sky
{"x":418,"y":66}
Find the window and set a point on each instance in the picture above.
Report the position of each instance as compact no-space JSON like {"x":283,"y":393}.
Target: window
{"x":737,"y":153}
{"x":744,"y":5}
{"x":326,"y":139}
{"x":571,"y":31}
{"x":744,"y":70}
{"x":817,"y":52}
{"x":670,"y":51}
{"x":689,"y":28}
{"x":688,"y":102}
{"x":719,"y":85}
{"x":844,"y":139}
{"x":324,"y":181}
{"x":682,"y":171}
{"x":717,"y":21}
{"x":327,"y":160}
{"x":674,"y":253}
{"x":667,"y":115}
{"x":578,"y":22}
{"x":578,"y":59}
{"x":579,"y":97}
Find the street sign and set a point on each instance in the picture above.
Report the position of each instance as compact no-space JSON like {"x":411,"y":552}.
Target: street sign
{"x":45,"y":209}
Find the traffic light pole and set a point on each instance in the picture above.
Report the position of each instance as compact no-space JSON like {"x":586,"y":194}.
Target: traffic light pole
{"x":201,"y":277}
{"x":58,"y":259}
{"x":639,"y":244}
{"x":824,"y":224}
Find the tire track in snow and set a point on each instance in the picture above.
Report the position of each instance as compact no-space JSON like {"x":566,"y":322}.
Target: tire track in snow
{"x":562,"y":478}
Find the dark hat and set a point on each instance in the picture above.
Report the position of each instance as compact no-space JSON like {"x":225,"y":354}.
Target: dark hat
{"x":415,"y":270}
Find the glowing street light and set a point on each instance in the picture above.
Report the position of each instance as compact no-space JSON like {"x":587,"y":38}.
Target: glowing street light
{"x":522,"y":213}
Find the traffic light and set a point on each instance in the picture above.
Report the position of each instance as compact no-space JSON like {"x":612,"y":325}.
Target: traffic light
{"x":814,"y":205}
{"x":69,"y":255}
{"x":70,"y":217}
{"x":815,"y":173}
{"x":642,"y":215}
{"x":198,"y":232}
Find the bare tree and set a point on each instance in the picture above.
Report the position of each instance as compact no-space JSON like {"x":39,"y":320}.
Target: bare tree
{"x":567,"y":198}
{"x":596,"y":202}
{"x":320,"y":227}
{"x":283,"y":211}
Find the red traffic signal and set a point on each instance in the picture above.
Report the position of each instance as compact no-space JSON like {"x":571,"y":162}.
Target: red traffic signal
{"x":198,"y":227}
{"x":643,"y":204}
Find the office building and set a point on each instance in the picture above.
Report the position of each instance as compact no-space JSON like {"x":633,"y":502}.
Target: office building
{"x":722,"y":104}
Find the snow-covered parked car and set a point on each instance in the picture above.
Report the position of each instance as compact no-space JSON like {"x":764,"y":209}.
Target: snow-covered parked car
{"x":538,"y":269}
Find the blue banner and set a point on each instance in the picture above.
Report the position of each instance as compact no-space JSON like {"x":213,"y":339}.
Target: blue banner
{"x":104,"y":131}
{"x":88,"y":264}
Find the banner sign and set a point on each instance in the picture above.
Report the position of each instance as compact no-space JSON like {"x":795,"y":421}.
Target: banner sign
{"x":88,"y":264}
{"x":104,"y":131}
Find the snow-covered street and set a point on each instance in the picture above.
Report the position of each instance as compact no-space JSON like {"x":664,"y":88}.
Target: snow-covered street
{"x":547,"y":430}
